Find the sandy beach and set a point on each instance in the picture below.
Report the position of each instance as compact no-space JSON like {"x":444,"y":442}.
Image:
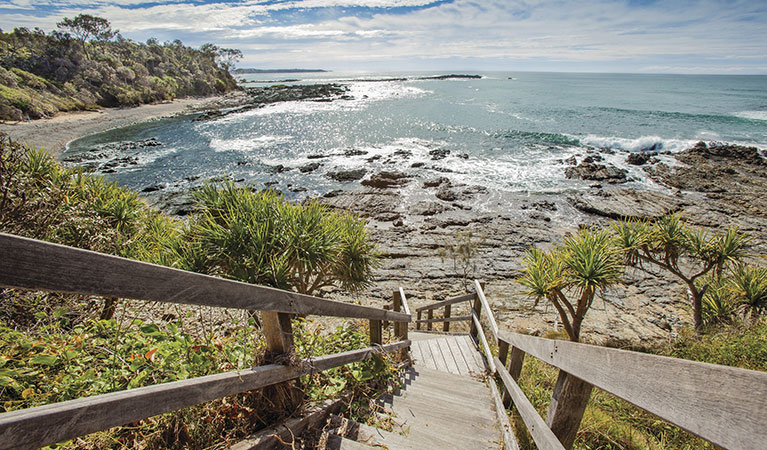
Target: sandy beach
{"x":54,"y":133}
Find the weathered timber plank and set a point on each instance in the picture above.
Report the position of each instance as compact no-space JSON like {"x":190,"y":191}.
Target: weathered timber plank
{"x":452,"y":367}
{"x":445,"y":319}
{"x":544,"y":438}
{"x":509,"y":441}
{"x":439,"y":358}
{"x":428,"y":357}
{"x":49,"y":424}
{"x":462,"y":298}
{"x":405,"y":306}
{"x":455,"y":350}
{"x":473,"y":358}
{"x":33,"y":264}
{"x":724,"y":405}
{"x":483,"y":340}
{"x":486,"y":307}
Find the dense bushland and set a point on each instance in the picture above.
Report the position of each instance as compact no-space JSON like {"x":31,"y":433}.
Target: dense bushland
{"x":74,"y":69}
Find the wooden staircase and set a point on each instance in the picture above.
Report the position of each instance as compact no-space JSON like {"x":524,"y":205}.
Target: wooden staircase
{"x":444,"y":402}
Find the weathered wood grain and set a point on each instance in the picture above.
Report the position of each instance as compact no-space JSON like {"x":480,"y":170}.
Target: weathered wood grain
{"x":405,"y":306}
{"x":446,"y":314}
{"x":33,"y":264}
{"x":509,"y":441}
{"x":515,"y":369}
{"x":49,"y":424}
{"x":451,"y":301}
{"x":486,"y":306}
{"x":446,"y":319}
{"x":481,"y":333}
{"x":724,"y":405}
{"x":541,"y":434}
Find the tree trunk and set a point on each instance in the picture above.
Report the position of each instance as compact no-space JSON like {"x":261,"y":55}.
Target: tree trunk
{"x":568,"y":403}
{"x":110,"y":305}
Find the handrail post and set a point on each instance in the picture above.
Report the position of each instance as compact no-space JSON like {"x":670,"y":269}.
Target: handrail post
{"x":446,"y":324}
{"x":515,"y":369}
{"x":477,"y":307}
{"x":376,"y":332}
{"x":429,"y":315}
{"x":278,"y":333}
{"x":401,"y":328}
{"x":418,"y":323}
{"x":568,"y":403}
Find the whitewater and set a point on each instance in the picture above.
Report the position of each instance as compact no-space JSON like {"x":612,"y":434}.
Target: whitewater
{"x":506,"y":131}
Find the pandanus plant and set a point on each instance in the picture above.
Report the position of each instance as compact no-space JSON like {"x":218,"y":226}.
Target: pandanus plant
{"x":690,"y":254}
{"x":258,"y":237}
{"x":570,"y":276}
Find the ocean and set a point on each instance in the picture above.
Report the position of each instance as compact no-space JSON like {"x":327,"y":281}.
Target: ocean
{"x":506,"y":131}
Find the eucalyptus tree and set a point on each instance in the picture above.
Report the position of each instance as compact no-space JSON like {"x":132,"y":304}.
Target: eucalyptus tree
{"x":85,"y":28}
{"x":691,"y":254}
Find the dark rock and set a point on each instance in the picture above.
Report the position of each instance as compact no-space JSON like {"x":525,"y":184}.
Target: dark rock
{"x":333,"y":193}
{"x":374,"y":158}
{"x":417,"y":165}
{"x":346,"y":176}
{"x":571,"y":161}
{"x":311,"y":167}
{"x":716,"y":150}
{"x":353,"y":152}
{"x":436,"y":182}
{"x":463,"y":155}
{"x":296,"y":188}
{"x":403,"y":153}
{"x":154,"y":188}
{"x":638,"y":159}
{"x":279,"y":168}
{"x":386,"y":180}
{"x":270,"y":183}
{"x":242,"y":163}
{"x":596,"y":172}
{"x":317,"y":156}
{"x":439,"y":153}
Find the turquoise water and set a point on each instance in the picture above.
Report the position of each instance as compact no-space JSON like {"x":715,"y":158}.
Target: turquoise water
{"x":507,"y":131}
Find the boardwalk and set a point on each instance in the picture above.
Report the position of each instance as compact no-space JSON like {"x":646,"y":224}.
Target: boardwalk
{"x":443,"y":404}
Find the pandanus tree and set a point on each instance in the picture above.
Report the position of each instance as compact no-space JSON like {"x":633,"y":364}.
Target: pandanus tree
{"x":260,"y":238}
{"x":570,"y":276}
{"x":694,"y":256}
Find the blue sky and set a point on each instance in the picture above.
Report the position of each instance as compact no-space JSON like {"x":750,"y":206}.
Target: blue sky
{"x":641,"y":36}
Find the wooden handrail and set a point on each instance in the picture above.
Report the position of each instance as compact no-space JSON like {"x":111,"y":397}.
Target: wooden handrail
{"x":32,"y":264}
{"x":486,"y":307}
{"x":49,"y":424}
{"x":544,"y":438}
{"x":451,"y":301}
{"x":444,"y":319}
{"x":724,"y":405}
{"x":405,"y":306}
{"x":483,"y":340}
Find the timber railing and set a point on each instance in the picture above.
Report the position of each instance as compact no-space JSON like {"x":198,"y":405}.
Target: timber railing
{"x":37,"y":265}
{"x":726,"y":406}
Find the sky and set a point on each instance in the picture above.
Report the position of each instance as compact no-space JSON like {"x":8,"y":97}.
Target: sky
{"x":635,"y":36}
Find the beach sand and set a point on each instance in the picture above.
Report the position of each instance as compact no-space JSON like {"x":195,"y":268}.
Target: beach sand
{"x":54,"y":133}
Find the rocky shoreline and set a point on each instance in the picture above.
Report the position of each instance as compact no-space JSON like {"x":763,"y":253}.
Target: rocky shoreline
{"x":645,"y":309}
{"x":412,"y":219}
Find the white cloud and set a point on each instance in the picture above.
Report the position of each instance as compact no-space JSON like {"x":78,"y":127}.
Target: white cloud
{"x":698,"y":35}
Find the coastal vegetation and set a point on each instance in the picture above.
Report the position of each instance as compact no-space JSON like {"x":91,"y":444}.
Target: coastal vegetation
{"x":85,"y":64}
{"x":56,"y":347}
